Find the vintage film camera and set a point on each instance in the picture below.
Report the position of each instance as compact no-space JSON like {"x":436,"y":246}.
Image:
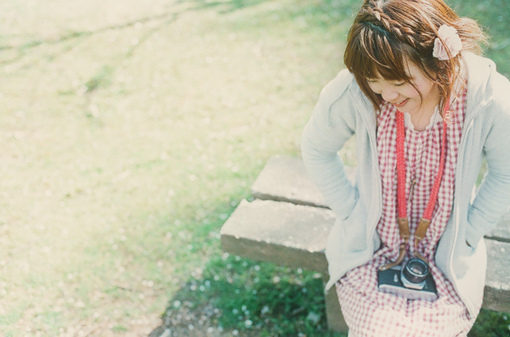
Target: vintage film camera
{"x":411,"y":280}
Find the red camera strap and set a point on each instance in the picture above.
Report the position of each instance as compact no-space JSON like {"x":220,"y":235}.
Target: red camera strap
{"x":402,"y":219}
{"x":401,"y":170}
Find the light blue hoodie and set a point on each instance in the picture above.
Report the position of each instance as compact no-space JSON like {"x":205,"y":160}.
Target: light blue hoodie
{"x":344,"y":111}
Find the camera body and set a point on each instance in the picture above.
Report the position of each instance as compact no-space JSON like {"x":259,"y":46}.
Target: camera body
{"x":411,"y":280}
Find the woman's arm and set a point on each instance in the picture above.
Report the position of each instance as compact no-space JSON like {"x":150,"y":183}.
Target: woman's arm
{"x":331,"y":125}
{"x":493,"y":196}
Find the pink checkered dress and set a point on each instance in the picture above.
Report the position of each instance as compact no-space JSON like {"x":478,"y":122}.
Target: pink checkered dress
{"x":369,"y":312}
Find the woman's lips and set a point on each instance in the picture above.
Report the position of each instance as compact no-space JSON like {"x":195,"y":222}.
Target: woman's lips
{"x":401,"y":104}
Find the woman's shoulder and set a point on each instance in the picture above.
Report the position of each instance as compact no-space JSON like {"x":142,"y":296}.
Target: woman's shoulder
{"x":337,"y":87}
{"x":483,"y":72}
{"x":343,"y":101}
{"x":485,"y":83}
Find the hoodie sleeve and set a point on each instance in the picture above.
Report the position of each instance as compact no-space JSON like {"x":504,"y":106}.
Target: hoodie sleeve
{"x":331,"y":125}
{"x":493,"y":196}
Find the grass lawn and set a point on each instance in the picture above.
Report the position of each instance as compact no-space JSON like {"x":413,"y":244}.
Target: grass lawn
{"x":130,"y":131}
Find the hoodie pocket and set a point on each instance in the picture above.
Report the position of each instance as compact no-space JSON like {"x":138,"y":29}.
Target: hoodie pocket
{"x":466,"y":249}
{"x":349,"y":235}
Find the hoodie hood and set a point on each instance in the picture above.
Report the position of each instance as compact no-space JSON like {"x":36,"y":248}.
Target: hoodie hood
{"x":480,"y":72}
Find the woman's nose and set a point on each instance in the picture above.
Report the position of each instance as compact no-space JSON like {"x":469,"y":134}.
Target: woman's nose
{"x":389,"y":94}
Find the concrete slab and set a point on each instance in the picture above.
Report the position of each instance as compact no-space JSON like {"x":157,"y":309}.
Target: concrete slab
{"x":286,"y":179}
{"x":279,"y":232}
{"x":288,"y":224}
{"x":295,"y":236}
{"x":497,"y":285}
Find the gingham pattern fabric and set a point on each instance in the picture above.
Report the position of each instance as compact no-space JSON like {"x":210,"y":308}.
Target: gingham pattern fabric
{"x":369,"y":312}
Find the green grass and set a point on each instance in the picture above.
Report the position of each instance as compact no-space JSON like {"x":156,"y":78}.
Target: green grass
{"x":130,"y":131}
{"x":249,"y":296}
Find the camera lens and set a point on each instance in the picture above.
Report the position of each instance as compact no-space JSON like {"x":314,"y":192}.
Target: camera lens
{"x":415,"y":271}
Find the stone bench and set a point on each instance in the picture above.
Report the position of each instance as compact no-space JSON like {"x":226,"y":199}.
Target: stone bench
{"x":288,"y":223}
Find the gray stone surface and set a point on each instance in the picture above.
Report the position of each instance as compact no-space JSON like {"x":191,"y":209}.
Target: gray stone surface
{"x":286,"y":179}
{"x":295,"y":236}
{"x":497,"y":284}
{"x":334,"y":316}
{"x":285,"y":234}
{"x":289,"y":223}
{"x":502,"y":230}
{"x":279,"y":232}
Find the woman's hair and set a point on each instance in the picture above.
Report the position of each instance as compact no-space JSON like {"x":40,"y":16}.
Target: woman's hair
{"x":388,"y":33}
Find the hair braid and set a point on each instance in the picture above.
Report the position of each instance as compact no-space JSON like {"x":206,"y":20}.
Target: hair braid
{"x":399,"y":30}
{"x":386,"y":34}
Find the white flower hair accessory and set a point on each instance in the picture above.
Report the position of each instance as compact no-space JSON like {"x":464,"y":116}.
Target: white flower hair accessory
{"x":447,"y":40}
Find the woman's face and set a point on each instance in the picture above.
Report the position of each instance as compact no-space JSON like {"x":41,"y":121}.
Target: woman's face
{"x":406,"y":97}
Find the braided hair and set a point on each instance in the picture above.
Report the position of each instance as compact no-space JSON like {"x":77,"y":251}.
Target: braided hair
{"x":387,"y":34}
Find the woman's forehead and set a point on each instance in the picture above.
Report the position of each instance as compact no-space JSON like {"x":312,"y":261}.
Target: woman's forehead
{"x":409,"y":71}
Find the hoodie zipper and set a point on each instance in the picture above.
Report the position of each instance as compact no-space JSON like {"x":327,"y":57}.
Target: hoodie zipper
{"x":372,"y":136}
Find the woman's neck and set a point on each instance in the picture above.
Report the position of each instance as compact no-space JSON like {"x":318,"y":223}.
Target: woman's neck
{"x":421,"y":118}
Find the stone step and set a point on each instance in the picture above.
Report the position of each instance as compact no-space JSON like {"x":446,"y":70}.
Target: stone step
{"x":295,"y":236}
{"x":286,"y":179}
{"x":279,"y":232}
{"x":285,"y":234}
{"x":497,"y":280}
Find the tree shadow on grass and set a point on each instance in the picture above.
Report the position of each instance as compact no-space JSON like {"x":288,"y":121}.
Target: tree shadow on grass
{"x":491,"y":324}
{"x":234,"y":296}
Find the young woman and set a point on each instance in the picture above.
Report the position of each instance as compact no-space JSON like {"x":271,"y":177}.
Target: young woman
{"x":426,"y":111}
